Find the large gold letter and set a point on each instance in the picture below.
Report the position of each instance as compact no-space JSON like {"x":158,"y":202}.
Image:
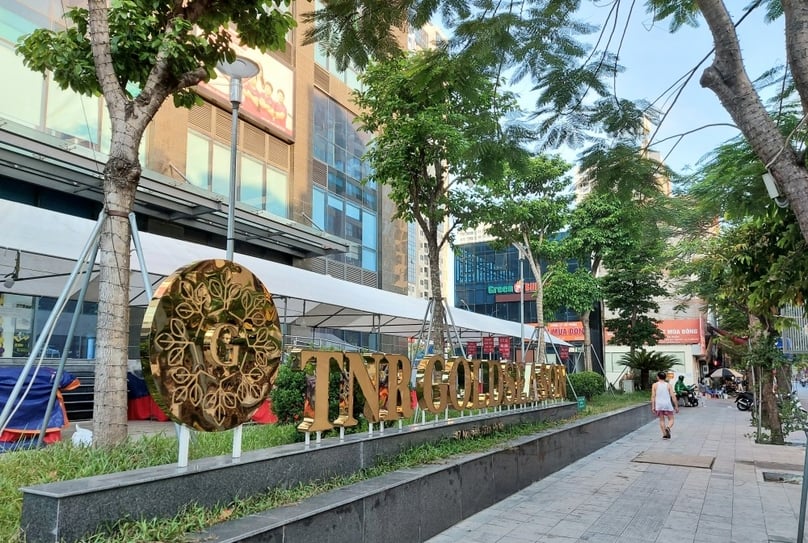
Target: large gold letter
{"x":398,"y":387}
{"x":468,"y":384}
{"x":318,"y":401}
{"x":428,"y":402}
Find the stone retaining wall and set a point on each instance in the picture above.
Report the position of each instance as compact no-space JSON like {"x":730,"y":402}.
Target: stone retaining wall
{"x":68,"y":510}
{"x":415,"y":504}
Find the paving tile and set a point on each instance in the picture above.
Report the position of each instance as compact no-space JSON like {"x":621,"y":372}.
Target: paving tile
{"x":607,"y":498}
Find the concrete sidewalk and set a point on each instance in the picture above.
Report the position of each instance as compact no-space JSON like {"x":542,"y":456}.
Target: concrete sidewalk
{"x":610,"y":497}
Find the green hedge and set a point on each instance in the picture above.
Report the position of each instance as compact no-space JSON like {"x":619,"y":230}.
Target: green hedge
{"x":289,"y":391}
{"x":586,"y":383}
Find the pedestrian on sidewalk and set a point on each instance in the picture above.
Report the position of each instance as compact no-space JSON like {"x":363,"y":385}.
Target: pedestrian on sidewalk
{"x":663,"y":404}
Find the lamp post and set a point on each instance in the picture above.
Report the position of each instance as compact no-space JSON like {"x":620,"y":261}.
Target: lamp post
{"x":238,"y":70}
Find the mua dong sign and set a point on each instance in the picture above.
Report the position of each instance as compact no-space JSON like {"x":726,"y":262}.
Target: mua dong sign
{"x":211,"y":348}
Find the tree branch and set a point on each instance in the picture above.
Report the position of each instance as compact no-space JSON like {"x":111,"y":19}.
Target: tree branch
{"x":98,"y":24}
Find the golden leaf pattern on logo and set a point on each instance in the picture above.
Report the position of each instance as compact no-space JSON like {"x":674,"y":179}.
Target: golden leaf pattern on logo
{"x":211,"y":345}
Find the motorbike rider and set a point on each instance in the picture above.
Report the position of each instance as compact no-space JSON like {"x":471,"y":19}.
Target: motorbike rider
{"x":686,"y":394}
{"x":680,"y":388}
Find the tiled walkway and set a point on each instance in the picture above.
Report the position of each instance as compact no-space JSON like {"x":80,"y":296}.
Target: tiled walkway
{"x":609,"y":498}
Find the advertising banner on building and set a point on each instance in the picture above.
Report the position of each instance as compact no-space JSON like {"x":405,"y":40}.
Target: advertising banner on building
{"x":267,"y":98}
{"x":678,"y":332}
{"x":471,"y":349}
{"x":682,"y":332}
{"x":568,"y":331}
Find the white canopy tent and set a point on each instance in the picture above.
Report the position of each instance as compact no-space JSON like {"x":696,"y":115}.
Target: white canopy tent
{"x":48,"y":244}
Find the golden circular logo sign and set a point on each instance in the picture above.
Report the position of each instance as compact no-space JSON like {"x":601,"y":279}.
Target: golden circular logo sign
{"x":211,"y":345}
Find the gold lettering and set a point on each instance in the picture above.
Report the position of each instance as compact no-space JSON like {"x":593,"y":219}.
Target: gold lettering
{"x":384,"y":381}
{"x":495,"y":383}
{"x":431,"y":370}
{"x":479,"y":398}
{"x":399,"y":370}
{"x":315,"y":418}
{"x":455,"y":399}
{"x":219,"y":347}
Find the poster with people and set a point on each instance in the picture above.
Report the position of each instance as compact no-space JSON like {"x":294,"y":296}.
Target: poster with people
{"x":267,"y":98}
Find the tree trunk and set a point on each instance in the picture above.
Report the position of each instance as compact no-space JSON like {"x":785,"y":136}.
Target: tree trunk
{"x":129,"y":119}
{"x":644,"y":373}
{"x":110,"y":406}
{"x":770,"y":414}
{"x":439,"y":326}
{"x":541,"y":349}
{"x":728,"y":79}
{"x":587,"y":340}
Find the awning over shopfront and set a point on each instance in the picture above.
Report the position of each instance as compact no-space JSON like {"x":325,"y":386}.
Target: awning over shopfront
{"x":48,"y":244}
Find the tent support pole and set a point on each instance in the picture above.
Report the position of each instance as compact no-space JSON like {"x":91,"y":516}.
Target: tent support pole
{"x":5,"y":415}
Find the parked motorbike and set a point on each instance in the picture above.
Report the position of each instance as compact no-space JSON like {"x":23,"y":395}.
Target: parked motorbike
{"x":744,"y":401}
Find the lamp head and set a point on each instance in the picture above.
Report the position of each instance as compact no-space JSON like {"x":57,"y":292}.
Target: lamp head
{"x":241,"y":68}
{"x":13,"y":275}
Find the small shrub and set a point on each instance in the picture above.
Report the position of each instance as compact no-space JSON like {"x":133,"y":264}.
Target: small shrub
{"x":586,"y":383}
{"x":287,"y":394}
{"x":289,"y":390}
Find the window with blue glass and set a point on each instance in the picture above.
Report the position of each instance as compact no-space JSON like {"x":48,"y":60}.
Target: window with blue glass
{"x":341,"y":203}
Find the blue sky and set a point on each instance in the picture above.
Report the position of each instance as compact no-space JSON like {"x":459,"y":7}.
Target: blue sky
{"x":654,"y":59}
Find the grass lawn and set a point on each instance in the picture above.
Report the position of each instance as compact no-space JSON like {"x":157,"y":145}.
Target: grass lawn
{"x":62,"y":461}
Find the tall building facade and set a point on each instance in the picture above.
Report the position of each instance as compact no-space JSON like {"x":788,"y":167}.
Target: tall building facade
{"x":419,"y":281}
{"x":301,"y":197}
{"x":496,"y":282}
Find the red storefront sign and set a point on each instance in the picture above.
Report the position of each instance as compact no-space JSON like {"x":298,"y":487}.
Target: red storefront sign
{"x":488,"y":345}
{"x":471,"y":349}
{"x":564,"y":352}
{"x":504,"y":346}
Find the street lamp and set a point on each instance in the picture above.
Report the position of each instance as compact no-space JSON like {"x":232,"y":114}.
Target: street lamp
{"x":238,"y":70}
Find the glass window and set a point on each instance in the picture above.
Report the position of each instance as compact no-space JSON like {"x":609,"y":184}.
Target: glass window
{"x":318,"y":209}
{"x":352,"y":257}
{"x":352,"y":212}
{"x":369,"y":230}
{"x":339,"y":159}
{"x":354,"y":190}
{"x":277,"y":192}
{"x":71,"y":115}
{"x":320,"y":149}
{"x":21,"y":323}
{"x":370,"y":198}
{"x":368,"y":259}
{"x":26,"y":83}
{"x":220,"y":170}
{"x":340,"y":127}
{"x":320,"y":56}
{"x":196,"y":163}
{"x":354,"y":167}
{"x":337,"y":143}
{"x":252,"y":183}
{"x":335,"y":222}
{"x":336,"y":182}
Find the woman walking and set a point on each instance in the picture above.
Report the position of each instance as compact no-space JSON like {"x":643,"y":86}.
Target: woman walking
{"x":663,"y":404}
